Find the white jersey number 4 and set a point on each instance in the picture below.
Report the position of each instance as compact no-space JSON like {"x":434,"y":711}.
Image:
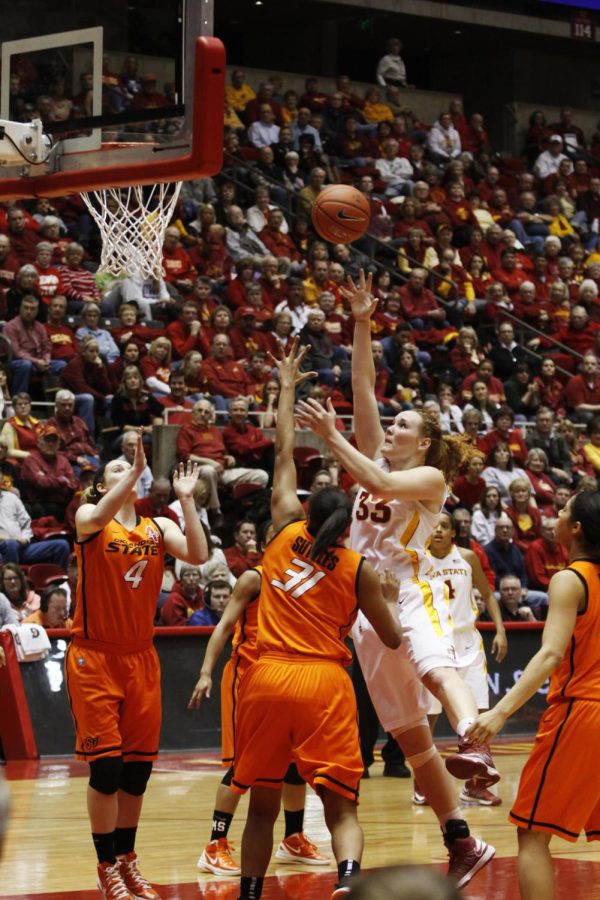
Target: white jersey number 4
{"x":135,"y":574}
{"x":299,"y":582}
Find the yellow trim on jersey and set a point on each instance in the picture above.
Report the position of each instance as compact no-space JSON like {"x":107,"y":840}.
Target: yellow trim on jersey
{"x":426,"y":591}
{"x":405,"y":538}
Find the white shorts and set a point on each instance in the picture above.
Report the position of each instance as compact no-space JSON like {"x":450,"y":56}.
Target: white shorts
{"x":424,"y":614}
{"x":472,"y":668}
{"x":399,"y":698}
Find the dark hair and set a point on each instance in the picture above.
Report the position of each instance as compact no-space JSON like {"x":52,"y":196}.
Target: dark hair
{"x":329,"y":515}
{"x":211,"y":586}
{"x":13,"y":567}
{"x":91,"y":493}
{"x":501,"y":445}
{"x":585,"y":509}
{"x":503,"y":411}
{"x":47,"y":593}
{"x":451,"y":519}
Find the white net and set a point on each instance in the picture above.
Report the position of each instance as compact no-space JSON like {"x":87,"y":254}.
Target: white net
{"x":132,"y":223}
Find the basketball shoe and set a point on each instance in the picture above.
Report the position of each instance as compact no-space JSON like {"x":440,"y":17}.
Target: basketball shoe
{"x":216,"y":858}
{"x":341,"y":890}
{"x":466,"y":857}
{"x":473,"y":761}
{"x":110,"y":882}
{"x":418,"y":797}
{"x":476,"y":795}
{"x":297,"y":848}
{"x":133,"y":879}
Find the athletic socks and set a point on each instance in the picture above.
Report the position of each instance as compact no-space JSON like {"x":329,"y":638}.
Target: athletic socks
{"x":456,"y":828}
{"x":124,"y":840}
{"x":347,"y":869}
{"x":294,"y":821}
{"x":105,"y":847}
{"x":250,"y":888}
{"x":462,"y":726}
{"x":220,"y":824}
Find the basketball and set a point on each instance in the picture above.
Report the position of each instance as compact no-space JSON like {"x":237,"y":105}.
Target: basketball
{"x":341,"y":214}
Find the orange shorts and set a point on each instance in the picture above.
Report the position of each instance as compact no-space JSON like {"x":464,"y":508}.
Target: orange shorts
{"x":304,"y":711}
{"x":115,"y":702}
{"x":560,"y":783}
{"x":230,"y":684}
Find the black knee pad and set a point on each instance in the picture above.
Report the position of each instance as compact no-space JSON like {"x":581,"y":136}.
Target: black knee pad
{"x":105,"y":774}
{"x":135,"y":777}
{"x":293,"y":776}
{"x":226,"y":779}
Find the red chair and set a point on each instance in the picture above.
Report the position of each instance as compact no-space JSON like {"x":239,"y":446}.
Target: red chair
{"x":308,"y":461}
{"x":40,"y":575}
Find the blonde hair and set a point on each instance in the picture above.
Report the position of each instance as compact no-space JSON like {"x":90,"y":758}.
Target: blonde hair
{"x":517,"y":483}
{"x":447,"y":452}
{"x":159,"y":342}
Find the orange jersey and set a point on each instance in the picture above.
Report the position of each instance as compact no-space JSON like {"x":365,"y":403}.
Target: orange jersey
{"x":578,"y":675}
{"x":307,"y":607}
{"x":120,"y":576}
{"x":246,"y":628}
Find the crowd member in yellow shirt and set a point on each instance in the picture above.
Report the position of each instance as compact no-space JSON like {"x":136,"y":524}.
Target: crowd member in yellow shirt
{"x":238,"y":94}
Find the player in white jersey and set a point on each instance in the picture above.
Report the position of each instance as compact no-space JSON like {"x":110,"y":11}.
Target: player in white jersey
{"x":460,"y":570}
{"x":403,"y":474}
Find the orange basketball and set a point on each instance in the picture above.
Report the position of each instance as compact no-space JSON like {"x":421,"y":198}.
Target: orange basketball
{"x":341,"y":214}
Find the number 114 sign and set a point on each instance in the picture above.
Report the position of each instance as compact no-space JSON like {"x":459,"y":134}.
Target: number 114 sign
{"x":583,"y":27}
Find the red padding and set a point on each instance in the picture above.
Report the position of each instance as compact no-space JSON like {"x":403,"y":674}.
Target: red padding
{"x":16,"y":730}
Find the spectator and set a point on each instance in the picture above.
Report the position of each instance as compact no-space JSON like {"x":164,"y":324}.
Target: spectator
{"x":149,"y":295}
{"x":264,"y":131}
{"x":63,"y":343}
{"x":22,"y":599}
{"x":18,"y":545}
{"x":419,"y":304}
{"x":21,"y":431}
{"x":582,"y":393}
{"x":307,"y":196}
{"x":295,"y":305}
{"x":536,"y":467}
{"x":506,"y":352}
{"x":480,"y":402}
{"x":264,"y":96}
{"x":224,"y":377}
{"x":25,"y":284}
{"x":278,"y":242}
{"x":504,"y":419}
{"x":395,"y":171}
{"x":506,"y":559}
{"x":200,"y":441}
{"x":470,"y":488}
{"x":522,"y":392}
{"x":187,"y":333}
{"x":156,"y":502}
{"x":47,"y":477}
{"x":548,"y":162}
{"x":87,"y":377}
{"x":238,"y":94}
{"x":156,"y":366}
{"x":462,"y":517}
{"x":243,"y":555}
{"x":7,"y":617}
{"x":443,"y":141}
{"x":523,"y":513}
{"x":324,"y":357}
{"x":75,"y":440}
{"x":53,"y":612}
{"x":31,"y":348}
{"x":176,"y":405}
{"x":501,"y":470}
{"x":543,"y":437}
{"x":78,"y":282}
{"x":512,"y":607}
{"x":23,"y":234}
{"x":144,"y":482}
{"x":545,"y":556}
{"x":484,"y":518}
{"x":9,"y":267}
{"x":185,"y":598}
{"x":194,"y":382}
{"x":217,"y":595}
{"x":132,"y":407}
{"x":591,"y":448}
{"x":177,"y":265}
{"x":242,"y":241}
{"x":91,"y":329}
{"x":391,"y":69}
{"x":244,"y":441}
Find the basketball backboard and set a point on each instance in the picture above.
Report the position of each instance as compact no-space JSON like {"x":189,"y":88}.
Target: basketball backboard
{"x":131,"y":92}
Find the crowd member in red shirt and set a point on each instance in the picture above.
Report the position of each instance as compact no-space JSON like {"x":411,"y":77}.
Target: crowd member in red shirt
{"x":187,"y":332}
{"x":582,"y":392}
{"x":75,"y":440}
{"x":47,"y":478}
{"x":9,"y":266}
{"x":155,"y":366}
{"x":224,"y":377}
{"x":485,"y":373}
{"x":545,"y":556}
{"x":509,"y":274}
{"x":469,"y":488}
{"x":245,"y":441}
{"x":493,"y":246}
{"x":185,"y":598}
{"x":277,"y":243}
{"x":23,"y":234}
{"x":273,"y":286}
{"x":148,"y":97}
{"x":177,"y":265}
{"x":459,"y":213}
{"x":176,"y":402}
{"x":205,"y":303}
{"x":259,"y":372}
{"x":244,"y":337}
{"x":243,"y":555}
{"x":199,"y":440}
{"x":156,"y":502}
{"x":49,"y":278}
{"x":279,"y":340}
{"x":503,"y":432}
{"x":130,"y":331}
{"x":523,"y":513}
{"x":552,"y":391}
{"x":235,"y":292}
{"x":63,"y":342}
{"x":419,"y":304}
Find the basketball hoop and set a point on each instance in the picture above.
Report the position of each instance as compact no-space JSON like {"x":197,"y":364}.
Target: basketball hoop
{"x":132,"y":223}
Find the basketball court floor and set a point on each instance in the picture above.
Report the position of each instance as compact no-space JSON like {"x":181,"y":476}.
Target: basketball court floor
{"x":49,"y":854}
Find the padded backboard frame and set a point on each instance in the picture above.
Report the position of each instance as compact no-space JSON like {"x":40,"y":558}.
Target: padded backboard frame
{"x":196,"y":151}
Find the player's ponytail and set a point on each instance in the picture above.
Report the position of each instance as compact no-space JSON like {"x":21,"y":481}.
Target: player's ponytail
{"x":329,"y":514}
{"x":91,"y":493}
{"x":448,"y":453}
{"x":585,"y":509}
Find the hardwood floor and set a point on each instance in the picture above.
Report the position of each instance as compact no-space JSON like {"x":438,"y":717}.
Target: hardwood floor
{"x":49,"y":852}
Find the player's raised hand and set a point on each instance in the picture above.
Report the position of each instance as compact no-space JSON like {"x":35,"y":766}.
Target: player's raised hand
{"x":139,"y":459}
{"x":360,"y":298}
{"x":288,"y":366}
{"x":486,"y":726}
{"x":184,"y":479}
{"x":202,"y":689}
{"x":320,"y":419}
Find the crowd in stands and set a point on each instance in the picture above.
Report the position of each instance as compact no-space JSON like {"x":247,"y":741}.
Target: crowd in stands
{"x":487,"y":272}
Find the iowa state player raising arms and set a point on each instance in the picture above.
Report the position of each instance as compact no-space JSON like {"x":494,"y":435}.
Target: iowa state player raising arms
{"x":112,"y":668}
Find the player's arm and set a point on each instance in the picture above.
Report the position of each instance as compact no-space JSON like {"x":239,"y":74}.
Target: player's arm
{"x":367,"y":424}
{"x":92,"y":517}
{"x":246,"y":589}
{"x":285,"y":506}
{"x":377,"y":599}
{"x":420,"y":483}
{"x":190,"y":547}
{"x":566,"y":596}
{"x":500,"y":642}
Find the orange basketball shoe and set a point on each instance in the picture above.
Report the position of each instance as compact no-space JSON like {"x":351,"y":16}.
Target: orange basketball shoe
{"x":216,"y":858}
{"x":133,"y":879}
{"x":297,"y":848}
{"x":110,"y":882}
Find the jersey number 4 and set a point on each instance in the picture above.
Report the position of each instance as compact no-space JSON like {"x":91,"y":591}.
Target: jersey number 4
{"x":135,"y":573}
{"x":299,"y":582}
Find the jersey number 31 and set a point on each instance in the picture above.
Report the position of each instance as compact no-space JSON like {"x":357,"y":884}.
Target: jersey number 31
{"x":299,"y":582}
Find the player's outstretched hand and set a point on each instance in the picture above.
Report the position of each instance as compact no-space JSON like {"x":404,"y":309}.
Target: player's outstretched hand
{"x":288,"y":366}
{"x":202,"y":689}
{"x":321,"y":420}
{"x":359,"y":297}
{"x":184,"y":480}
{"x":500,"y":646}
{"x":139,"y":460}
{"x":389,"y":586}
{"x":486,"y":726}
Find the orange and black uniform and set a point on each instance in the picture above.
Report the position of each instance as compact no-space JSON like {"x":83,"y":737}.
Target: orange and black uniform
{"x":112,"y":668}
{"x":559,"y":791}
{"x":296,"y":701}
{"x":243,"y":654}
